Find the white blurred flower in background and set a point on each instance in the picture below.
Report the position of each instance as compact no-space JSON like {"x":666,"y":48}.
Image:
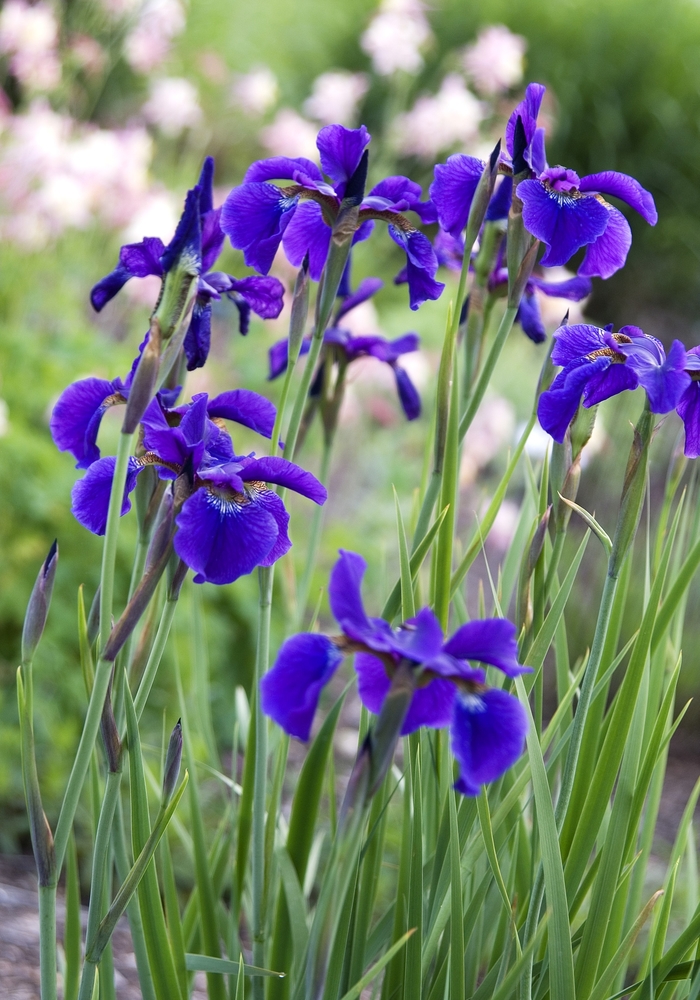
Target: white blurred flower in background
{"x":4,"y":418}
{"x":120,"y":8}
{"x":503,"y":529}
{"x":88,"y":54}
{"x":335,"y":96}
{"x":495,"y":61}
{"x":157,"y":215}
{"x":449,"y":118}
{"x":255,"y":92}
{"x":553,"y":309}
{"x":29,"y":35}
{"x":290,"y":135}
{"x":148,"y":44}
{"x":395,"y":36}
{"x":491,"y":429}
{"x":173,"y":105}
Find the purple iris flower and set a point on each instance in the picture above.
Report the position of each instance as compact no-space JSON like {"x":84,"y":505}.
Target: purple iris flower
{"x":567,"y":212}
{"x":230,"y":521}
{"x":258,"y":216}
{"x":201,"y":222}
{"x":388,"y":351}
{"x":689,"y":406}
{"x":487,"y":725}
{"x":453,"y":189}
{"x":597,"y":364}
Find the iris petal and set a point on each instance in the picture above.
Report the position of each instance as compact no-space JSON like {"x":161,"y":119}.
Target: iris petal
{"x":91,"y":494}
{"x":562,"y":222}
{"x":488,"y":640}
{"x":76,"y":417}
{"x":291,"y":689}
{"x":487,"y":736}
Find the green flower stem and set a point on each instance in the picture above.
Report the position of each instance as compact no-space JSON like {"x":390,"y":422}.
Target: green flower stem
{"x":315,"y":537}
{"x":47,"y":941}
{"x":482,"y":382}
{"x":104,"y":667}
{"x":155,"y":656}
{"x":100,"y":857}
{"x":265,"y":578}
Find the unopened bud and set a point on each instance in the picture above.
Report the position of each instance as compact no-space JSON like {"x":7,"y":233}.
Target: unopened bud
{"x":93,"y":622}
{"x":523,"y":602}
{"x":177,"y":573}
{"x":143,"y":388}
{"x":172,"y":762}
{"x":110,"y":734}
{"x":522,"y":264}
{"x":38,"y":607}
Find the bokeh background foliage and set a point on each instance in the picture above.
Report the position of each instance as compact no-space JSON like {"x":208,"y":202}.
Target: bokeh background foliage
{"x":626,"y":84}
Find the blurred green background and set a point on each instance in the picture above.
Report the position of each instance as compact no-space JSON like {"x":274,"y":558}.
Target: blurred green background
{"x":625,"y":88}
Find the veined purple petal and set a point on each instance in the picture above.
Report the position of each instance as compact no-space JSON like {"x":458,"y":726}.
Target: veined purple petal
{"x":285,"y":473}
{"x":91,"y":494}
{"x":689,"y":412}
{"x":527,"y":110}
{"x":572,"y":343}
{"x":500,"y":203}
{"x":562,"y":222}
{"x":341,"y":150}
{"x":537,"y":156}
{"x":345,"y":596}
{"x":625,"y":188}
{"x":488,"y":640}
{"x":223,"y":535}
{"x":212,"y":238}
{"x":421,"y":265}
{"x":408,"y":394}
{"x":245,"y":407}
{"x":136,"y":260}
{"x":254,"y":217}
{"x":453,"y":189}
{"x":610,"y":382}
{"x":265,"y":296}
{"x":281,"y":168}
{"x":76,"y":418}
{"x":487,"y":737}
{"x":274,"y":505}
{"x":186,"y":244}
{"x":307,"y":233}
{"x":420,"y":638}
{"x":664,"y":382}
{"x":107,"y":287}
{"x":530,"y":318}
{"x":430,"y":706}
{"x":198,"y":337}
{"x":608,"y":253}
{"x":574,"y":289}
{"x":194,"y":420}
{"x":558,"y":405}
{"x":291,"y":689}
{"x":365,"y":290}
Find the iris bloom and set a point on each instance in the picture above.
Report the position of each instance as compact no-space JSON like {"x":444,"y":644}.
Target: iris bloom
{"x":230,"y":522}
{"x":567,"y":212}
{"x":352,"y":347}
{"x":598,"y":364}
{"x":137,"y":260}
{"x":487,"y":725}
{"x":258,"y":216}
{"x":689,"y":405}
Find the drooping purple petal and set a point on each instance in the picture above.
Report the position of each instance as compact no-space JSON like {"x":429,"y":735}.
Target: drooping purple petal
{"x":254,"y":217}
{"x":275,"y":506}
{"x":107,"y":287}
{"x":609,"y":382}
{"x":420,"y":638}
{"x":76,"y":417}
{"x":285,"y":473}
{"x":574,"y":289}
{"x":562,"y":222}
{"x":136,"y":260}
{"x":365,"y":290}
{"x":341,"y":150}
{"x":530,"y":318}
{"x":625,"y":188}
{"x":198,"y":337}
{"x":663,"y":378}
{"x":223,"y":535}
{"x":527,"y":110}
{"x":453,"y":189}
{"x":212,"y":238}
{"x":408,"y":394}
{"x":608,"y":253}
{"x":558,"y":405}
{"x":279,"y":356}
{"x":91,"y":494}
{"x":245,"y":407}
{"x":487,"y":737}
{"x":281,"y":168}
{"x":488,"y":640}
{"x":421,"y":265}
{"x":689,"y":412}
{"x":307,"y":233}
{"x":265,"y":296}
{"x":291,"y":689}
{"x":186,"y":245}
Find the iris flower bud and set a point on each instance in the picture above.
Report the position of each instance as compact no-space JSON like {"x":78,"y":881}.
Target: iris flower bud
{"x":38,"y":607}
{"x":173,"y":758}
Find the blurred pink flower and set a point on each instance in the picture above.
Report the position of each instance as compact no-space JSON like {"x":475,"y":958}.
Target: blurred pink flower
{"x":148,"y":44}
{"x":335,"y":97}
{"x":88,"y":53}
{"x":255,"y":92}
{"x":173,"y":105}
{"x":491,"y":429}
{"x":29,"y":35}
{"x":395,"y":37}
{"x":290,"y":135}
{"x":449,"y":118}
{"x":495,"y":60}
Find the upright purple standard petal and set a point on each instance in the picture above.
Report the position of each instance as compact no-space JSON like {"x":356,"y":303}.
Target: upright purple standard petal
{"x":307,"y":233}
{"x":212,"y":238}
{"x":76,"y":418}
{"x":558,"y":405}
{"x":662,"y":376}
{"x":453,"y":189}
{"x":420,"y":638}
{"x":608,"y":253}
{"x":223,"y":534}
{"x":198,"y":337}
{"x":421,"y":265}
{"x":408,"y":394}
{"x":254,"y":217}
{"x":488,"y":640}
{"x":625,"y":188}
{"x":245,"y":407}
{"x":487,"y":736}
{"x":561,"y":221}
{"x":341,"y":150}
{"x":290,"y":691}
{"x":265,"y":296}
{"x":689,"y":412}
{"x":91,"y":494}
{"x":284,"y":473}
{"x":527,"y":111}
{"x":186,"y":244}
{"x":345,"y":596}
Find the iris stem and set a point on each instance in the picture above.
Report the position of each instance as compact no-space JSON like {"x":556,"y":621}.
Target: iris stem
{"x":482,"y":382}
{"x":155,"y":656}
{"x":47,"y":941}
{"x":265,"y":578}
{"x":104,"y":667}
{"x":315,"y":537}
